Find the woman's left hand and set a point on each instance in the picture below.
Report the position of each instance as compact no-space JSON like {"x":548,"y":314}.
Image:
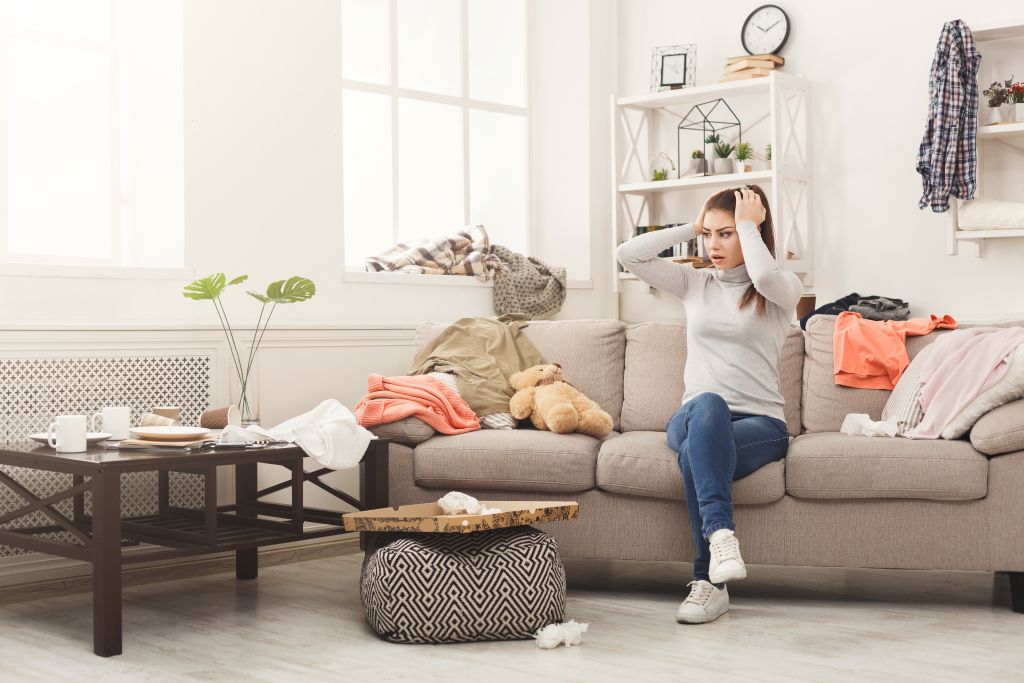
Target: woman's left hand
{"x":749,"y":207}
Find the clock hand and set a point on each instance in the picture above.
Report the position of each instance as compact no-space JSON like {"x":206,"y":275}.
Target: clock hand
{"x":772,"y":26}
{"x":762,"y":29}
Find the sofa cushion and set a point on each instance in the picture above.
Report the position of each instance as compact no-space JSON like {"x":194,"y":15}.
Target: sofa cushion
{"x":653,"y":384}
{"x":590,"y":352}
{"x":837,"y":465}
{"x":508,"y":460}
{"x":409,"y":431}
{"x":825,"y":403}
{"x":1000,"y":430}
{"x":640,"y":463}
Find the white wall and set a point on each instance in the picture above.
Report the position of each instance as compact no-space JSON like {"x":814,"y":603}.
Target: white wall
{"x":868,"y":63}
{"x":263,"y":177}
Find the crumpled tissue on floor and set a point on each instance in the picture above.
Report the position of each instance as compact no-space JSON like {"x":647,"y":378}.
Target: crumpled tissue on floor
{"x":456,"y":502}
{"x":567,"y":633}
{"x":861,"y":423}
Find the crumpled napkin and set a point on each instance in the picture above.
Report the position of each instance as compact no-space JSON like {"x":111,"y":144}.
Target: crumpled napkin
{"x":567,"y":633}
{"x":456,"y":502}
{"x":861,"y":423}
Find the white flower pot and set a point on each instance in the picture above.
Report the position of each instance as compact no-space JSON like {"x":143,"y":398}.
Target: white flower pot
{"x":743,"y":166}
{"x":723,"y":166}
{"x":696,"y":167}
{"x":995,"y":115}
{"x":1018,"y":112}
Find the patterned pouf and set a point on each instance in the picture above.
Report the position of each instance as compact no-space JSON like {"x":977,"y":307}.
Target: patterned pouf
{"x":502,"y":584}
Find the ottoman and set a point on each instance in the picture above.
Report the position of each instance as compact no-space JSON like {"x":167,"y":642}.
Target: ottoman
{"x":501,"y":584}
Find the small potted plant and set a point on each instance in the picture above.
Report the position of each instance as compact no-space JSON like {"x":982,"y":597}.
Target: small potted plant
{"x":768,"y":155}
{"x":661,"y":167}
{"x":998,"y":96}
{"x":1017,"y":95}
{"x":744,"y":153}
{"x":723,"y":164}
{"x":697,"y":163}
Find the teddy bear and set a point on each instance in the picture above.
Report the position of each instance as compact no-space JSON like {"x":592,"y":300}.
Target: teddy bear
{"x":553,"y":404}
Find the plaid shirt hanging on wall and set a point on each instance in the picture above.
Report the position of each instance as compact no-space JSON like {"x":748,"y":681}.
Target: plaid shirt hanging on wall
{"x":948,"y":157}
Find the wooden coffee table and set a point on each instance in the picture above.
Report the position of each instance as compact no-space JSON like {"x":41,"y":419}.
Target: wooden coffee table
{"x":243,"y":527}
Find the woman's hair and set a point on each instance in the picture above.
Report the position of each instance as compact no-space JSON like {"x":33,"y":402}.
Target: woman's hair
{"x":725,"y":200}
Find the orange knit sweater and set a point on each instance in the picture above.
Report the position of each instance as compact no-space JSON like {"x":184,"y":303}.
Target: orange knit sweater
{"x":390,"y":399}
{"x":872,"y":354}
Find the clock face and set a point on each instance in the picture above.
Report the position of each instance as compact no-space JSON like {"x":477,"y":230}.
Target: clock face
{"x":765,"y":30}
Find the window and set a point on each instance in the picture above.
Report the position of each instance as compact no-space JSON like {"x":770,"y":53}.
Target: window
{"x":435,"y":122}
{"x":92,"y":130}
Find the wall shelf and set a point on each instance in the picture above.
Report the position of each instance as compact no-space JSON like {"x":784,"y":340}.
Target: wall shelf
{"x":639,"y":134}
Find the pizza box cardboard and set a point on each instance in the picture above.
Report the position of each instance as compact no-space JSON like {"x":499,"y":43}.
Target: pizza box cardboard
{"x":430,"y":518}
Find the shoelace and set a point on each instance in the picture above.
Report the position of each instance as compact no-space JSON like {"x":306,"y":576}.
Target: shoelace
{"x":699,"y":594}
{"x":727,"y":548}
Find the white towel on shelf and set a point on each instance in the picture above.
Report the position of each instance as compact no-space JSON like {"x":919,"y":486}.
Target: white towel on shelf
{"x":329,"y":434}
{"x":983,"y":213}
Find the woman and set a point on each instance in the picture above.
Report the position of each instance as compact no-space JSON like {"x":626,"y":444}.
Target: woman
{"x":731,"y":421}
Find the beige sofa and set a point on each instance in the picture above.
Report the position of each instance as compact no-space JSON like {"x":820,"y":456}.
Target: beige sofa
{"x":835,"y":501}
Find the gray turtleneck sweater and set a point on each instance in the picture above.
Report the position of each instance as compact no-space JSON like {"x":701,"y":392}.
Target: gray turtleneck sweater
{"x":733,"y":353}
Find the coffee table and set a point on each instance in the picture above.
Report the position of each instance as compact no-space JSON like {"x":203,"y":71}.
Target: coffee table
{"x":244,"y":526}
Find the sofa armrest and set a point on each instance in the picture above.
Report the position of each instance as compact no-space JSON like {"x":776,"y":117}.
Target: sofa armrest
{"x":1000,"y":430}
{"x":408,"y":431}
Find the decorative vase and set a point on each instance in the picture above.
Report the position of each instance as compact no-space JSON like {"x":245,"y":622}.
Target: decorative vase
{"x":743,"y":166}
{"x":696,"y":167}
{"x":723,"y":166}
{"x":248,"y":405}
{"x":995,"y":115}
{"x":1018,"y":112}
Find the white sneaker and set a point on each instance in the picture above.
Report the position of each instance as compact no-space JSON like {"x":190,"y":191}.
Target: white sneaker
{"x":704,"y":603}
{"x":726,"y":563}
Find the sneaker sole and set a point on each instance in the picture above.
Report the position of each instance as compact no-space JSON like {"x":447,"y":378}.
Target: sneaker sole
{"x":733,"y":575}
{"x":699,"y":620}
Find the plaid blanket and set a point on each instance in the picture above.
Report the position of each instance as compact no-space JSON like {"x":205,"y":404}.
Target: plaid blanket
{"x":948,"y":158}
{"x":467,"y":252}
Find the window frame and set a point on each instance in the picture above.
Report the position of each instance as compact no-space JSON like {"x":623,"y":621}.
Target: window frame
{"x":355,"y":272}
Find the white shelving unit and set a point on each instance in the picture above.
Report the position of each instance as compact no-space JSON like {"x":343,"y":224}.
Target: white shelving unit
{"x":1009,"y":135}
{"x":784,"y":100}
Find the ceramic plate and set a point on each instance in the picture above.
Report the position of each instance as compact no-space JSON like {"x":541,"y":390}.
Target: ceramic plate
{"x":91,"y":437}
{"x":169,"y":433}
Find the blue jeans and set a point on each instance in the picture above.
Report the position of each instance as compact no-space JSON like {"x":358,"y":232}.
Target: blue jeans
{"x":715,"y":447}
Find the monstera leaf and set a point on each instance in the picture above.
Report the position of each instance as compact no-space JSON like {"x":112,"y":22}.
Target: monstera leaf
{"x":210,"y":286}
{"x":289,"y":291}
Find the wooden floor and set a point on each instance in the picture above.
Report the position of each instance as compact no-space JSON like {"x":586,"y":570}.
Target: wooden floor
{"x":303,"y":622}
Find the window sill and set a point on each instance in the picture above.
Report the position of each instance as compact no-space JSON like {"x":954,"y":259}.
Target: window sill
{"x":442,"y":280}
{"x":96,"y":272}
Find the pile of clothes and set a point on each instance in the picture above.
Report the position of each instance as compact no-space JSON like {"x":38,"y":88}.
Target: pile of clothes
{"x":522,"y":284}
{"x":458,"y":382}
{"x":949,"y":385}
{"x":872,"y":307}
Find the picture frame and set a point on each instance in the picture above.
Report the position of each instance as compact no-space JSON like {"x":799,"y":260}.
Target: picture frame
{"x":673,"y":67}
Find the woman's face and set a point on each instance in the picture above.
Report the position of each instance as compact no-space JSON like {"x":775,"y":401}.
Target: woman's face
{"x":721,"y":240}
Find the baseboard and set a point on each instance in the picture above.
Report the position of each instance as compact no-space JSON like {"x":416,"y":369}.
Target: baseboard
{"x":35,"y":577}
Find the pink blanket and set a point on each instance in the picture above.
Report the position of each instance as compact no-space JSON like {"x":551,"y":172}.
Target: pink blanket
{"x":390,"y":399}
{"x":963,"y":364}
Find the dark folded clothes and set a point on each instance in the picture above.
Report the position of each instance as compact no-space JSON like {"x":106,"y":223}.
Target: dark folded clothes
{"x":882,"y":308}
{"x":832,"y":308}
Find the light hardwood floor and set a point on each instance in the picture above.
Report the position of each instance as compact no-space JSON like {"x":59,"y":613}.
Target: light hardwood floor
{"x":304,"y":622}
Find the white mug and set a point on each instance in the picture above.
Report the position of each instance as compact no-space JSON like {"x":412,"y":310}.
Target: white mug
{"x":70,"y":434}
{"x":115,"y":420}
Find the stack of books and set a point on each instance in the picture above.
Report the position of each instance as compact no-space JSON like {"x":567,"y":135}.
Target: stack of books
{"x":750,"y":66}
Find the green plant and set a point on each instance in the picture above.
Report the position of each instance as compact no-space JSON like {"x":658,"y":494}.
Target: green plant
{"x":723,"y":150}
{"x":290,"y":291}
{"x":768,"y":152}
{"x":712,"y":139}
{"x":744,"y":151}
{"x":697,"y":154}
{"x":998,"y":93}
{"x":660,"y":174}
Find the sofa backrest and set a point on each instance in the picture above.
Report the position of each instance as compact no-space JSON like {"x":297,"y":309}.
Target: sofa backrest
{"x":653,"y":383}
{"x":591,"y":353}
{"x":826,"y":403}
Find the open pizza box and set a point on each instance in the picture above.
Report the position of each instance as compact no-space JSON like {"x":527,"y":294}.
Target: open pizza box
{"x":430,"y":517}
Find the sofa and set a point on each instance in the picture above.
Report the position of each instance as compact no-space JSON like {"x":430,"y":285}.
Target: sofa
{"x":836,"y":500}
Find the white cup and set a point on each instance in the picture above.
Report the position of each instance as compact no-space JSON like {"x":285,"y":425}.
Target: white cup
{"x":115,"y":420}
{"x":70,"y":434}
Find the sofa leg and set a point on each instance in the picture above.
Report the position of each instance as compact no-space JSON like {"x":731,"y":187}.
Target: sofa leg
{"x":1017,"y":591}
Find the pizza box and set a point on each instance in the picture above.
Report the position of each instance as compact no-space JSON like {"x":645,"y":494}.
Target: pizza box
{"x":430,"y":518}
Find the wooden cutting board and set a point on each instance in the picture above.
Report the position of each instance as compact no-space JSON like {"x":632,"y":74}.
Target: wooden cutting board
{"x":430,"y":518}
